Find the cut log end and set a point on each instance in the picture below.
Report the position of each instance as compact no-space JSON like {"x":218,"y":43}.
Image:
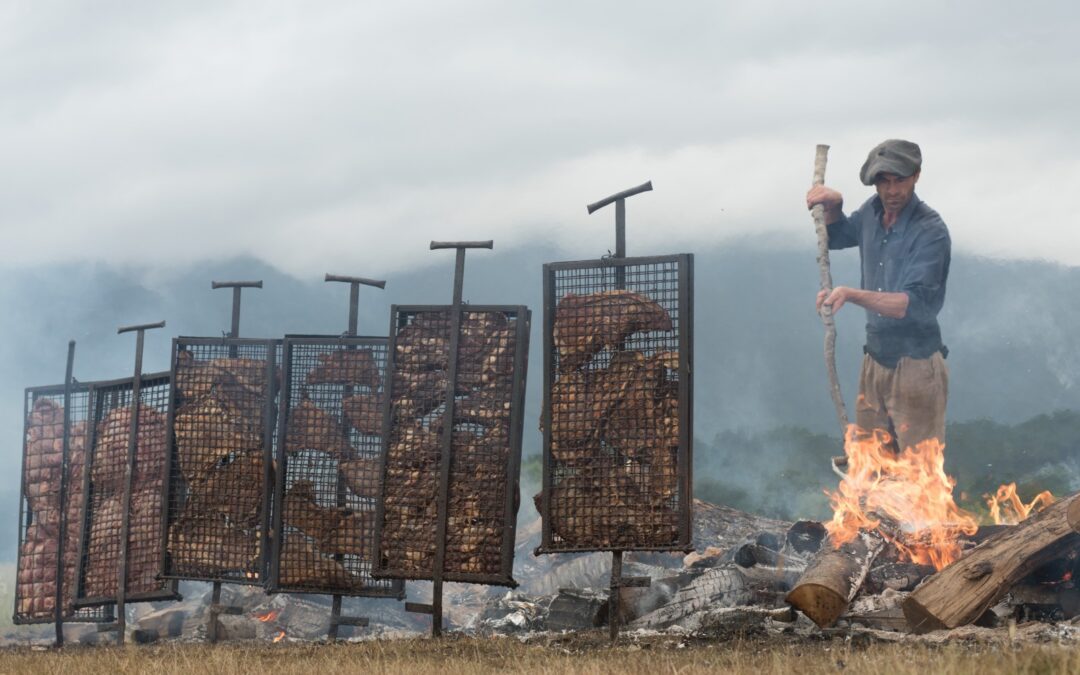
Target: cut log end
{"x":822,"y":604}
{"x":919,"y":620}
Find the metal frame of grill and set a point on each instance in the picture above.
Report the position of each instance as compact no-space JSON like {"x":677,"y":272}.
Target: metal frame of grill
{"x":105,"y":484}
{"x":328,"y":458}
{"x":436,"y":496}
{"x":224,"y":487}
{"x":76,"y":413}
{"x":597,"y":461}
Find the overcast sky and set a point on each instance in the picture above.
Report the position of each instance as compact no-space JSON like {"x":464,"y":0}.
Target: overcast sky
{"x":345,"y":135}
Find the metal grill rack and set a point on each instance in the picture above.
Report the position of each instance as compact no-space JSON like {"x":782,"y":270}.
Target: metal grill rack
{"x":617,"y":405}
{"x":328,"y":458}
{"x":40,"y":514}
{"x":218,"y":494}
{"x":453,"y":411}
{"x":106,"y":484}
{"x":618,"y":411}
{"x":329,"y":478}
{"x":217,"y":497}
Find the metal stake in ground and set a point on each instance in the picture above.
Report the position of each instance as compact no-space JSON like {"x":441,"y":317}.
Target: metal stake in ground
{"x":435,"y":608}
{"x":354,"y":311}
{"x":620,"y":223}
{"x":129,"y":476}
{"x":237,"y":287}
{"x":617,"y":580}
{"x":65,"y":462}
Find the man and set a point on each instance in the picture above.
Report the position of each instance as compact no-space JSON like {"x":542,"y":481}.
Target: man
{"x":905,"y":250}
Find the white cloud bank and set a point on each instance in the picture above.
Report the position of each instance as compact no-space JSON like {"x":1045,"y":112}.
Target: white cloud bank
{"x":343,"y":135}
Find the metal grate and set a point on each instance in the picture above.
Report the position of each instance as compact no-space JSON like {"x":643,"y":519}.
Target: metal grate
{"x":222,"y":407}
{"x":329,"y":479}
{"x":106,"y":485}
{"x":482,"y":489}
{"x":40,"y":511}
{"x":617,"y":404}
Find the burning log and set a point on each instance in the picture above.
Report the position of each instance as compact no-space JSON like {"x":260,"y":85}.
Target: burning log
{"x":355,"y":367}
{"x":963,"y":591}
{"x":363,"y":412}
{"x":310,"y":428}
{"x":833,"y":578}
{"x":586,"y":324}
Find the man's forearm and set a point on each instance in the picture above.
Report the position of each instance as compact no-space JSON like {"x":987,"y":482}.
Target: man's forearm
{"x":892,"y":305}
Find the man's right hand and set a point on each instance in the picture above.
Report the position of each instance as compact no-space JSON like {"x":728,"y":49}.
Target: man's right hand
{"x":832,"y":200}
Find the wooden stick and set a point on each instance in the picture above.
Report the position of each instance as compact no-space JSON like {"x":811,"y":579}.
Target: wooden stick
{"x":963,"y":591}
{"x":833,"y":578}
{"x":818,"y":212}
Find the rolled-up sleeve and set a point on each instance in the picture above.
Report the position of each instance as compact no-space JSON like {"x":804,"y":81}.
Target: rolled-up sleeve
{"x":844,"y":233}
{"x":924,"y":275}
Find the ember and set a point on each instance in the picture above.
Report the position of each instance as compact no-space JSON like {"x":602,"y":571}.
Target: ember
{"x":280,"y":636}
{"x":905,"y":497}
{"x":267,"y":617}
{"x":1006,"y":507}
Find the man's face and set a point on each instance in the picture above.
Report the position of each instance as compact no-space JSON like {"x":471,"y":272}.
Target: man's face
{"x":895,"y":191}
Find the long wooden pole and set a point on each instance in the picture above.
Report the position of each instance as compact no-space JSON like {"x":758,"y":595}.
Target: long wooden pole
{"x":818,"y":212}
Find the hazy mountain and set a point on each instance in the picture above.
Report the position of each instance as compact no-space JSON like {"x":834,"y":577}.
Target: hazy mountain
{"x":758,"y":344}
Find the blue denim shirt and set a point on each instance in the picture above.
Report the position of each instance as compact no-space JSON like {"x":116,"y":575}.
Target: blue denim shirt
{"x":913,"y":258}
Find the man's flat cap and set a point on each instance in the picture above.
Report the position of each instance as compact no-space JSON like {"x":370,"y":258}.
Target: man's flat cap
{"x":902,"y":158}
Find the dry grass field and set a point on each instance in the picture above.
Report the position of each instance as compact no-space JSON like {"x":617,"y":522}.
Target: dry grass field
{"x":587,"y":653}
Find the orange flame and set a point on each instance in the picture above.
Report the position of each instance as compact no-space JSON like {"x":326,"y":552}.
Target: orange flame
{"x":906,"y":497}
{"x":268,"y":616}
{"x":280,"y":636}
{"x":1006,"y":507}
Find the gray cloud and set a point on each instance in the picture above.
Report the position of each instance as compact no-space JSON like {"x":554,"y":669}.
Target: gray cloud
{"x":351,"y":133}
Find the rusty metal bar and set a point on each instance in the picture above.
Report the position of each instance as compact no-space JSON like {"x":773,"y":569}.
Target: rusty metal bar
{"x":613,"y":595}
{"x":237,"y":287}
{"x":61,"y":544}
{"x":129,"y":475}
{"x":630,"y":192}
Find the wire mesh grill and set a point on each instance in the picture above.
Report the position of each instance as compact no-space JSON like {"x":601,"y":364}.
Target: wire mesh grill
{"x":107,"y":483}
{"x":329,"y":476}
{"x":617,"y":411}
{"x":219,"y":487}
{"x":486,"y":443}
{"x":40,"y":510}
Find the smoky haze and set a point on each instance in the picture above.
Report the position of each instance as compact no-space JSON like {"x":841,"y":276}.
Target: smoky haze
{"x":758,"y":341}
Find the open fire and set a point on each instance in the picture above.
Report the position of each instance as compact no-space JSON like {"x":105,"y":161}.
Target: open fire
{"x":1006,"y":507}
{"x":907,"y":498}
{"x":267,"y":617}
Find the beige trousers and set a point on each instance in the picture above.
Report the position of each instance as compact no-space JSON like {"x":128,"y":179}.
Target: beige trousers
{"x":907,"y":401}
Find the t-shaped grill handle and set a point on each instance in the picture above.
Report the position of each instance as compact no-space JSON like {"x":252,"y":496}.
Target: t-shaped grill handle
{"x":620,"y":214}
{"x":133,"y":435}
{"x":459,"y":263}
{"x":354,"y":295}
{"x":237,"y":286}
{"x":140,"y":327}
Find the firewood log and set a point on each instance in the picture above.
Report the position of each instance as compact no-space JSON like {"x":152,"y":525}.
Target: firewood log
{"x":963,"y":591}
{"x":356,"y":367}
{"x":833,"y":578}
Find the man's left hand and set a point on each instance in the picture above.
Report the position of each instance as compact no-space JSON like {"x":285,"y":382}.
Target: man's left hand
{"x":834,"y":300}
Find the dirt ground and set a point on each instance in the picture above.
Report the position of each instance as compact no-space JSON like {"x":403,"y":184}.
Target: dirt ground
{"x":587,"y":652}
